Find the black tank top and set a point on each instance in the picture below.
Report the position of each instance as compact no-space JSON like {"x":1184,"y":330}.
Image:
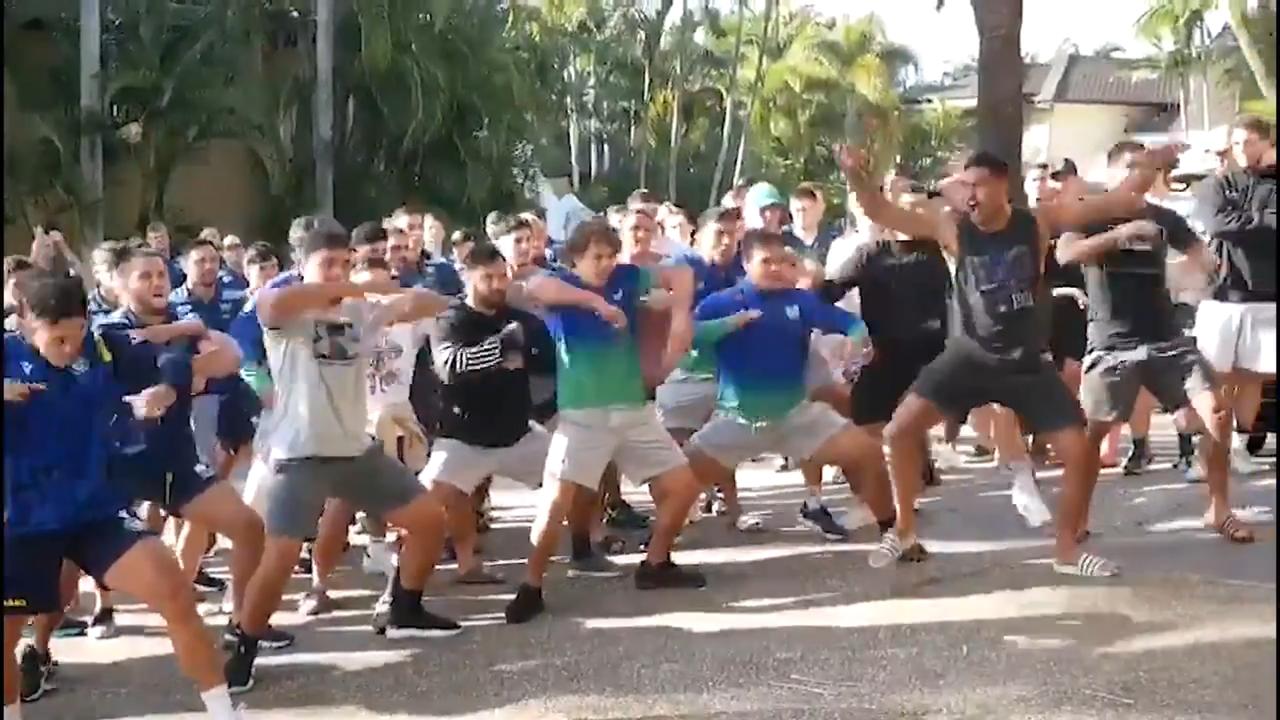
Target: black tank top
{"x":1000,"y":296}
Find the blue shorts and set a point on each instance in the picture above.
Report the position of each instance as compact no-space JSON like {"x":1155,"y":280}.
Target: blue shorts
{"x":33,"y":561}
{"x":173,"y":488}
{"x":237,"y":411}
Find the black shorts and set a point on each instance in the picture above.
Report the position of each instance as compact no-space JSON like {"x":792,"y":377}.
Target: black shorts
{"x":33,"y":561}
{"x":1070,"y":326}
{"x":882,"y":383}
{"x":961,"y":379}
{"x":237,"y":411}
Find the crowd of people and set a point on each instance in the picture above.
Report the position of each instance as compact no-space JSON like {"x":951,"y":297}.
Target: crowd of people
{"x":390,"y":373}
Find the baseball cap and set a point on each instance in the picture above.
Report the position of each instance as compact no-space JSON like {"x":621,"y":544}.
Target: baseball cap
{"x":1065,"y":170}
{"x":763,"y":195}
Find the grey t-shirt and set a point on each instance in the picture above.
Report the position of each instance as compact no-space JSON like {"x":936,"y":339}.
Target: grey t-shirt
{"x":319,"y":364}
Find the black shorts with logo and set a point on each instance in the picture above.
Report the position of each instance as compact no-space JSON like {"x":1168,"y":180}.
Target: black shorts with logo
{"x":886,"y":379}
{"x":962,"y":378}
{"x":33,"y":561}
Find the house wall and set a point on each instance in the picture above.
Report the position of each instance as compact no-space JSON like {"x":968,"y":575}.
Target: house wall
{"x":1084,"y":133}
{"x":217,"y":184}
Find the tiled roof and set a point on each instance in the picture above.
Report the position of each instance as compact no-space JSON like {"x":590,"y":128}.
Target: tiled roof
{"x":966,"y":88}
{"x":1097,"y":80}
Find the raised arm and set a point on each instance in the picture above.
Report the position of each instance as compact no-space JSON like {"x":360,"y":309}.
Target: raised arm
{"x":925,"y":222}
{"x":278,"y":307}
{"x":551,"y":291}
{"x":217,"y":356}
{"x":418,"y":304}
{"x":1123,"y":201}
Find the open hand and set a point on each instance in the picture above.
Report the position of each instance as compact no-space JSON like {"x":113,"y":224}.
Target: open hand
{"x":745,"y":317}
{"x":611,"y":314}
{"x":152,"y":402}
{"x":855,"y":163}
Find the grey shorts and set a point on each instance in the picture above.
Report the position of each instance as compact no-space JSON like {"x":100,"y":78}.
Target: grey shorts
{"x":464,"y":466}
{"x":730,"y":440}
{"x":295,"y":492}
{"x":585,"y":441}
{"x":1172,"y":372}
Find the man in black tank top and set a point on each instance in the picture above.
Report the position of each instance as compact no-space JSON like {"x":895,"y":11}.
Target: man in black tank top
{"x":1134,"y":342}
{"x":995,"y":350}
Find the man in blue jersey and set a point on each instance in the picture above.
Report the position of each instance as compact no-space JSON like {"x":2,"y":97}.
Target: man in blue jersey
{"x":761,"y":403}
{"x":60,"y":502}
{"x":161,"y":465}
{"x":233,"y":273}
{"x":158,"y":239}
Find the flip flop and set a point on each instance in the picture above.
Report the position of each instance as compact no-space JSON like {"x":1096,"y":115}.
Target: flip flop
{"x":1087,"y":566}
{"x":1233,"y":530}
{"x":478,"y":576}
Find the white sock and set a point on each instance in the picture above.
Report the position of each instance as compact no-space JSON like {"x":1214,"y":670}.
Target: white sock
{"x":13,"y":712}
{"x":218,"y":702}
{"x":1021,"y":470}
{"x":814,"y":500}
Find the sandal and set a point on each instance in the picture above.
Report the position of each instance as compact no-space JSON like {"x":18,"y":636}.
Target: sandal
{"x":478,"y":576}
{"x":1233,"y":530}
{"x":1087,"y":565}
{"x":891,"y":549}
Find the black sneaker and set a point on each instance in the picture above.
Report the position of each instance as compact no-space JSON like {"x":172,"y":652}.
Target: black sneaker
{"x":205,"y":582}
{"x":34,"y":671}
{"x":272,"y":639}
{"x":525,"y":606}
{"x":239,"y":667}
{"x":103,"y":624}
{"x":593,"y":565}
{"x":666,"y":575}
{"x":625,"y":517}
{"x":1137,"y":461}
{"x":411,"y":620}
{"x":821,"y":519}
{"x":71,"y":627}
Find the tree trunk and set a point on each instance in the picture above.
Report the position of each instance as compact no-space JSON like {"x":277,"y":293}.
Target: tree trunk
{"x":90,"y":107}
{"x":677,"y":96}
{"x":1265,"y":78}
{"x":1000,"y":77}
{"x":770,"y":10}
{"x":593,"y":123}
{"x":1184,"y":120}
{"x":652,"y":44}
{"x":730,"y":98}
{"x":323,"y":138}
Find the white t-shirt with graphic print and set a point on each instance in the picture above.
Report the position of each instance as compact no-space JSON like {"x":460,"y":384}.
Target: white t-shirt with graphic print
{"x":391,"y":361}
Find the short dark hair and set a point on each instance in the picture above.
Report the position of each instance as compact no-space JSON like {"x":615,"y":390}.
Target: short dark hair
{"x":463,"y":236}
{"x":1257,"y":125}
{"x":199,"y":243}
{"x":989,"y":161}
{"x":54,"y":297}
{"x":761,"y":239}
{"x":483,"y":254}
{"x":129,"y":253}
{"x":807,"y":191}
{"x":1122,"y":148}
{"x":260,"y":253}
{"x":511,"y":224}
{"x":368,"y":233}
{"x":591,"y":232}
{"x":324,"y":238}
{"x":719,"y":214}
{"x":112,"y":249}
{"x":642,"y":196}
{"x":16,"y":264}
{"x":372,"y":264}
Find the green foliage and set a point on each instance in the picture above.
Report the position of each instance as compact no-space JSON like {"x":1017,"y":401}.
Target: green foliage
{"x":930,"y":139}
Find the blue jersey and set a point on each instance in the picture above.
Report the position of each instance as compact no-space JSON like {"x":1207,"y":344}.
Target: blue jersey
{"x":231,"y":279}
{"x":99,"y":306}
{"x":169,"y":437}
{"x":246,"y":329}
{"x":216,"y":313}
{"x":436,"y":275}
{"x":761,"y":366}
{"x":708,"y":278}
{"x":58,"y":442}
{"x":177,"y":276}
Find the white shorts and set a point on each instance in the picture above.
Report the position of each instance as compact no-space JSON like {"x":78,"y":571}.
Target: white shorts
{"x":1237,"y":336}
{"x":464,"y":466}
{"x":730,"y":440}
{"x":254,"y":484}
{"x":585,"y":441}
{"x":686,"y":404}
{"x":821,"y":372}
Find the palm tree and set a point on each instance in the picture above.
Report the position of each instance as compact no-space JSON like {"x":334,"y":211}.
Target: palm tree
{"x":761,"y":47}
{"x":1000,"y":77}
{"x":730,"y":100}
{"x":1177,"y":28}
{"x":1254,"y":34}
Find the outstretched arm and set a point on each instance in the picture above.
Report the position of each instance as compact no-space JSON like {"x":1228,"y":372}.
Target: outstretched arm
{"x":925,"y":222}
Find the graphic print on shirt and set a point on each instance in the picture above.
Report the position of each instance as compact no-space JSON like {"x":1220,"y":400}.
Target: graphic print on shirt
{"x":1004,"y":282}
{"x":384,"y":371}
{"x":335,"y":342}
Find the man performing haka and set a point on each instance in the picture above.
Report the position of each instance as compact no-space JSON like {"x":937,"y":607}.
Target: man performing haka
{"x":994,"y":353}
{"x":604,"y":415}
{"x":63,"y":394}
{"x":761,"y":400}
{"x":318,"y":335}
{"x":1135,"y":344}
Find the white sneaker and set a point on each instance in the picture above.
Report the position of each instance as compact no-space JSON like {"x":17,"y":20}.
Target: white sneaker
{"x":1027,"y":501}
{"x":1242,"y":463}
{"x":378,"y":559}
{"x":946,"y":457}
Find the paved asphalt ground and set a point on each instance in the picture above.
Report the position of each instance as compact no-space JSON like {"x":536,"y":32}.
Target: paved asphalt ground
{"x":790,"y":626}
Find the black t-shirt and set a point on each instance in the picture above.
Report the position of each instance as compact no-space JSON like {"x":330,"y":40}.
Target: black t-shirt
{"x":903,"y":288}
{"x":483,"y":402}
{"x":1238,"y":212}
{"x":1000,"y":291}
{"x":1129,"y":302}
